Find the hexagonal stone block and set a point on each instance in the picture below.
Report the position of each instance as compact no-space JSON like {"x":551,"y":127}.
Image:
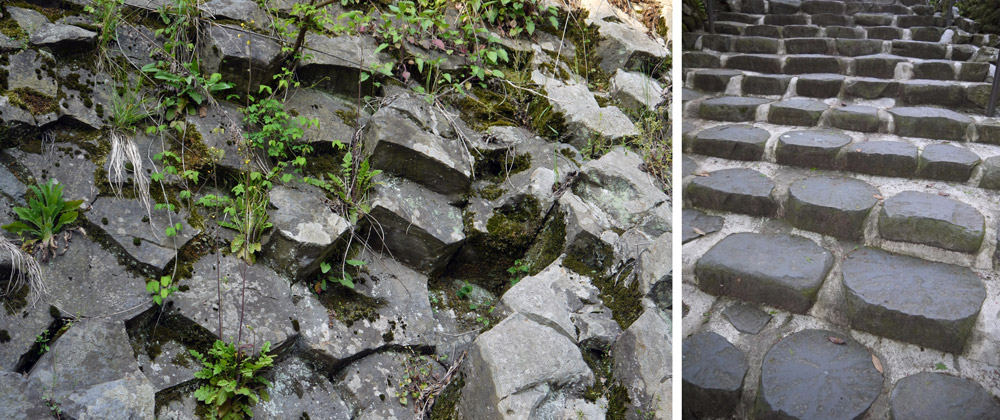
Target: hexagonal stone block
{"x":737,"y":190}
{"x":807,"y":376}
{"x":713,"y":375}
{"x":811,"y":148}
{"x":766,"y":84}
{"x":931,"y":395}
{"x":947,"y":163}
{"x":931,"y":219}
{"x":225,"y":50}
{"x":713,"y":80}
{"x":819,"y":85}
{"x":734,"y":141}
{"x":882,"y":66}
{"x":755,"y":62}
{"x":886,"y":158}
{"x":854,"y":118}
{"x":919,"y":49}
{"x":809,"y":46}
{"x":696,"y":224}
{"x":991,"y":173}
{"x":802,"y":64}
{"x":805,"y":112}
{"x":832,"y":206}
{"x":931,"y":92}
{"x":931,"y":123}
{"x":780,"y":270}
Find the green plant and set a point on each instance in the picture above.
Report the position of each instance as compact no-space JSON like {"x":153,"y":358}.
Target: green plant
{"x":105,"y":14}
{"x":42,"y":339}
{"x":518,"y":271}
{"x":234,"y":381}
{"x":464,"y":291}
{"x":514,"y":16}
{"x":248,"y":215}
{"x":345,"y":278}
{"x":694,"y":15}
{"x":275,"y":130}
{"x":482,"y":318}
{"x":351,"y":187}
{"x":160,"y":289}
{"x":189,"y":90}
{"x":127,"y":110}
{"x":47,"y":213}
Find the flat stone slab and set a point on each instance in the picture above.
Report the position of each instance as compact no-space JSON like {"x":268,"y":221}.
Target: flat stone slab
{"x":713,"y":375}
{"x":919,"y":49}
{"x":780,"y":270}
{"x":855,"y":118}
{"x":736,"y":141}
{"x":139,"y":235}
{"x":804,"y":112}
{"x":736,"y":190}
{"x":305,"y":233}
{"x":807,"y":376}
{"x":697,"y":224}
{"x":811,"y":148}
{"x":929,"y":395}
{"x":931,"y":123}
{"x":820,"y":85}
{"x":766,"y":84}
{"x":886,"y":158}
{"x":834,"y":206}
{"x":713,"y":80}
{"x":909,"y":299}
{"x":747,"y":319}
{"x":931,"y":219}
{"x":991,"y":173}
{"x":731,"y":108}
{"x":947,"y":163}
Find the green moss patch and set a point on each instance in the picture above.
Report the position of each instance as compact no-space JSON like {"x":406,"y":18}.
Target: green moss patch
{"x":446,"y":403}
{"x":34,"y":102}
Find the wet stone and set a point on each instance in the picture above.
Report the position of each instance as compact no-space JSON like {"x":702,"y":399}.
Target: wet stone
{"x":904,"y":298}
{"x":739,"y":141}
{"x":747,"y":319}
{"x":811,"y":148}
{"x":819,"y":85}
{"x":697,"y":224}
{"x":930,"y":395}
{"x":991,"y":173}
{"x":714,"y":80}
{"x":713,"y":375}
{"x":931,"y":219}
{"x":806,"y":376}
{"x":832,"y":206}
{"x":886,"y":158}
{"x":766,"y":84}
{"x":735,"y":190}
{"x":783,"y":271}
{"x":854,"y":118}
{"x":804,"y":112}
{"x":931,"y":123}
{"x":947,"y":163}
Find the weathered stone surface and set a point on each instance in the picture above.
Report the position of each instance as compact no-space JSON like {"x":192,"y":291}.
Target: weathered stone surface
{"x":219,"y":135}
{"x":807,"y":361}
{"x":973,"y":72}
{"x":799,"y":30}
{"x":887,"y":158}
{"x":21,"y":399}
{"x":991,"y":173}
{"x":756,"y":45}
{"x":932,"y":123}
{"x":947,"y":163}
{"x":736,"y":190}
{"x":784,"y":7}
{"x":931,"y":92}
{"x":86,"y":281}
{"x":625,"y":47}
{"x":931,"y":219}
{"x":695,"y":221}
{"x":713,"y":375}
{"x":731,"y":108}
{"x":139,"y":234}
{"x":24,"y":71}
{"x":642,"y":364}
{"x":871,"y":88}
{"x":806,"y":63}
{"x":789,"y":20}
{"x":770,"y":31}
{"x":747,"y":319}
{"x":699,"y":59}
{"x":713,"y":80}
{"x":805,"y":112}
{"x":305,"y":231}
{"x":297,"y":390}
{"x":64,"y":39}
{"x":819,"y":85}
{"x":881,"y":66}
{"x":242,"y":10}
{"x":766,"y":84}
{"x":831,"y":205}
{"x":918,"y":49}
{"x":755,"y":62}
{"x":856,"y":47}
{"x":28,"y":20}
{"x":783,"y":271}
{"x":713,"y":42}
{"x":514,"y":376}
{"x":371,"y":395}
{"x":854,"y":118}
{"x":885,"y":32}
{"x":930,"y":395}
{"x":656,"y":272}
{"x":19,"y":123}
{"x":809,"y":45}
{"x":934,"y":70}
{"x":835,"y":21}
{"x":337,"y":69}
{"x":636,"y":91}
{"x":334,"y":115}
{"x":811,"y":148}
{"x":585,"y":118}
{"x":616,"y":184}
{"x":738,"y":141}
{"x":871,"y":19}
{"x":224,"y":50}
{"x":908,"y":299}
{"x":822,"y":6}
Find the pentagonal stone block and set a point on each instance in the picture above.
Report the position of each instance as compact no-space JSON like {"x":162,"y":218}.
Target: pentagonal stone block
{"x":731,"y":108}
{"x":802,"y":64}
{"x":886,"y":158}
{"x":713,"y":375}
{"x":811,"y":148}
{"x":734,"y":141}
{"x":755,"y":62}
{"x":783,"y":271}
{"x":808,"y":376}
{"x":904,"y":298}
{"x":809,"y":45}
{"x":931,"y":219}
{"x":714,"y":80}
{"x":737,"y":190}
{"x":931,"y":123}
{"x":696,"y":224}
{"x":930,"y":395}
{"x":854,"y":118}
{"x":947,"y":163}
{"x":766,"y":84}
{"x":819,"y":85}
{"x":831,"y":205}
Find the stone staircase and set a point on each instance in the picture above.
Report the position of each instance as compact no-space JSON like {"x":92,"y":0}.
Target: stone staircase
{"x":840,"y":214}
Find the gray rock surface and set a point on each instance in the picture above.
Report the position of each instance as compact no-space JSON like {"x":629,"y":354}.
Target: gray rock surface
{"x":642,"y":364}
{"x":21,"y":399}
{"x":584,"y":116}
{"x":930,"y":395}
{"x":811,"y":148}
{"x":835,"y":206}
{"x":887,"y":158}
{"x":298,"y":391}
{"x":224,"y":50}
{"x":713,"y":375}
{"x":637,"y":91}
{"x":947,"y":163}
{"x":738,"y":141}
{"x":305,"y":232}
{"x":141,"y":236}
{"x":747,"y":319}
{"x":736,"y":190}
{"x":64,"y":39}
{"x":931,"y":219}
{"x":697,"y":224}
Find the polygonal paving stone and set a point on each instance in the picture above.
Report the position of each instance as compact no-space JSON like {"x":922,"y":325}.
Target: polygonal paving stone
{"x":804,"y":112}
{"x":755,"y":62}
{"x":770,"y":31}
{"x":930,"y":395}
{"x":699,"y":59}
{"x":913,"y":300}
{"x":713,"y":375}
{"x":947,"y":163}
{"x":807,"y":376}
{"x":854,"y":118}
{"x":871,"y":88}
{"x":832,"y":206}
{"x":737,"y":141}
{"x":783,"y":271}
{"x":766,"y":84}
{"x":800,"y":30}
{"x":973,"y":72}
{"x":802,"y":64}
{"x":809,"y":45}
{"x":870,"y":19}
{"x":856,"y":47}
{"x":731,"y":108}
{"x":696,"y":224}
{"x":931,"y":92}
{"x":811,"y":148}
{"x":991,"y":173}
{"x":918,"y":49}
{"x":931,"y":219}
{"x":786,"y":20}
{"x":886,"y":158}
{"x":931,"y":123}
{"x":756,"y":45}
{"x":835,"y":20}
{"x":819,"y":85}
{"x":882,"y":66}
{"x":885,"y":32}
{"x":747,"y":319}
{"x":713,"y":80}
{"x":737,"y":190}
{"x":784,"y":7}
{"x":934,"y":70}
{"x":139,"y":235}
{"x":305,"y":233}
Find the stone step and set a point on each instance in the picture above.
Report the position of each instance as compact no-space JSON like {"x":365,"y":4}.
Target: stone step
{"x":713,"y":375}
{"x":831,"y":205}
{"x":931,"y":219}
{"x":933,"y":395}
{"x":779,"y":270}
{"x":737,"y":141}
{"x":865,"y":28}
{"x":811,"y":148}
{"x":734,"y":190}
{"x":904,"y":298}
{"x":731,"y":108}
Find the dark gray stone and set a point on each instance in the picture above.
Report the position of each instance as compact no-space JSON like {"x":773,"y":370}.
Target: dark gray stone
{"x":796,"y":30}
{"x":927,"y":34}
{"x":224,"y":50}
{"x":855,"y":47}
{"x":931,"y":219}
{"x":854,"y":118}
{"x":305,"y":232}
{"x":908,"y":299}
{"x":688,"y":165}
{"x":738,"y":17}
{"x":139,"y":234}
{"x":21,"y":399}
{"x":831,"y":20}
{"x":918,"y":49}
{"x":809,"y":45}
{"x":811,"y":148}
{"x":734,"y":141}
{"x":696,"y":224}
{"x":713,"y":80}
{"x":337,"y":70}
{"x":747,"y":319}
{"x":766,"y":84}
{"x":700,"y":59}
{"x":934,"y":70}
{"x":86,"y":281}
{"x":641,"y":362}
{"x":973,"y":72}
{"x":885,"y":33}
{"x":806,"y":376}
{"x":832,"y":206}
{"x":770,"y":31}
{"x":963,"y":52}
{"x":713,"y":375}
{"x":871,"y":88}
{"x":736,"y":190}
{"x":755,"y":62}
{"x":841,"y":28}
{"x":886,"y":158}
{"x":64,"y":39}
{"x":731,"y":108}
{"x":298,"y":391}
{"x":914,"y":20}
{"x":804,"y":112}
{"x":870,"y":19}
{"x":819,"y":85}
{"x":715,"y":42}
{"x":947,"y":163}
{"x":784,"y":7}
{"x":988,"y":132}
{"x":991,"y":173}
{"x":802,"y":64}
{"x":756,"y":45}
{"x":931,"y":395}
{"x":785,"y":20}
{"x":931,"y":123}
{"x":931,"y":92}
{"x":783,"y":271}
{"x":881,"y":66}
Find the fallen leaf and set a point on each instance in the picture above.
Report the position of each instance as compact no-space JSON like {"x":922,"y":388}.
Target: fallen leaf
{"x":698,"y":231}
{"x":702,"y":174}
{"x":437,"y":42}
{"x":837,"y":341}
{"x":857,"y":150}
{"x":877,"y":363}
{"x":203,"y":112}
{"x":878,"y":197}
{"x":944,"y":194}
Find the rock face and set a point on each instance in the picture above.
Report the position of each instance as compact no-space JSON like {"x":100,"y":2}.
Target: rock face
{"x":584,"y":117}
{"x":224,"y":50}
{"x":642,"y":364}
{"x":930,"y":395}
{"x":128,"y":223}
{"x":297,"y":390}
{"x":306,"y":231}
{"x":713,"y":375}
{"x":21,"y":399}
